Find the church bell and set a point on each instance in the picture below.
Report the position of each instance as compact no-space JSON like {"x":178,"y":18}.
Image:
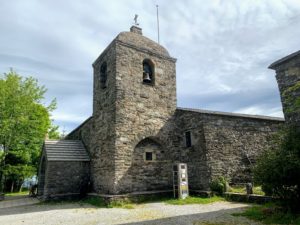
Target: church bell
{"x":146,"y":78}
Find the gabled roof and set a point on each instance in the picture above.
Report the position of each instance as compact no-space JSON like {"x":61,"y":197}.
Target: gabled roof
{"x":65,"y":150}
{"x":284,"y":59}
{"x":203,"y":111}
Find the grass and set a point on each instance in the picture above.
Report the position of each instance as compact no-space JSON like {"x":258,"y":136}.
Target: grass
{"x":242,"y":189}
{"x":121,"y":204}
{"x":17,"y":193}
{"x":95,"y":201}
{"x":99,"y":202}
{"x":194,"y":200}
{"x":127,"y":204}
{"x":270,"y":214}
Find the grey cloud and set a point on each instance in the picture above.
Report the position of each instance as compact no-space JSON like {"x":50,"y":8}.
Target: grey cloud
{"x":223,"y":48}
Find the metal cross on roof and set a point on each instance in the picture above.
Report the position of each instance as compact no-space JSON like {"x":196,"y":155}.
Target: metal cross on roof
{"x":135,"y":20}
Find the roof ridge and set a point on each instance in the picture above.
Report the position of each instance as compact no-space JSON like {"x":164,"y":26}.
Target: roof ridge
{"x":231,"y":114}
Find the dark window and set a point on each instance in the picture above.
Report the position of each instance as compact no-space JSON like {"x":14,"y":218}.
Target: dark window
{"x":103,"y":75}
{"x":188,"y":139}
{"x":148,"y":77}
{"x":149,"y":156}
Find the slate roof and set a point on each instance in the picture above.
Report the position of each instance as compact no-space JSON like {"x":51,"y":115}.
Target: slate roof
{"x":232,"y":114}
{"x":284,"y":59}
{"x":65,"y":150}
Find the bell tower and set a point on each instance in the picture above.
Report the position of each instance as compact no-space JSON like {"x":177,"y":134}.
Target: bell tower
{"x":134,"y":96}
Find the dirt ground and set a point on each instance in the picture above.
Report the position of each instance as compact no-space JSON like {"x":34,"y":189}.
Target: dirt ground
{"x":152,"y":213}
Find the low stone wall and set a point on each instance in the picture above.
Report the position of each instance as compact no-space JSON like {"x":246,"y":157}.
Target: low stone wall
{"x":134,"y":197}
{"x":237,"y":197}
{"x":200,"y":193}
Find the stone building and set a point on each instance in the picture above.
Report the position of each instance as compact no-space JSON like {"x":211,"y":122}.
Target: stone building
{"x":57,"y":158}
{"x":137,"y":132}
{"x":288,"y":79}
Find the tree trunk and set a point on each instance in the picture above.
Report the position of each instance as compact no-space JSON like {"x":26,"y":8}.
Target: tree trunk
{"x":20,"y":184}
{"x":12,"y":186}
{"x":2,"y":176}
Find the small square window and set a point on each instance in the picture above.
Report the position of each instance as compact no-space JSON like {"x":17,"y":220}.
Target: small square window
{"x":149,"y":156}
{"x":188,"y":139}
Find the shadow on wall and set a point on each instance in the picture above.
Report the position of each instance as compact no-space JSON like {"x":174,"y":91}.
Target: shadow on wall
{"x":150,"y":167}
{"x":151,"y":156}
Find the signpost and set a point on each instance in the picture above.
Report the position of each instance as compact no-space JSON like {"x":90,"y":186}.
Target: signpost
{"x":180,"y":181}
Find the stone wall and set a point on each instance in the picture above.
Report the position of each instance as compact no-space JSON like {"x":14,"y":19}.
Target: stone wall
{"x":42,"y":175}
{"x":131,"y":117}
{"x":142,"y":110}
{"x":142,"y":171}
{"x":65,"y":178}
{"x":224,"y":144}
{"x":98,"y":133}
{"x":288,"y":75}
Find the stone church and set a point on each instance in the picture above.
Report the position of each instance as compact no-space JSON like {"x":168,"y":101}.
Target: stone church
{"x":136,"y":132}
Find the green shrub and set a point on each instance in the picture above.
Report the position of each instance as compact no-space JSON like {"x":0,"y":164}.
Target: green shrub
{"x":278,"y":169}
{"x":270,"y":214}
{"x":218,"y":185}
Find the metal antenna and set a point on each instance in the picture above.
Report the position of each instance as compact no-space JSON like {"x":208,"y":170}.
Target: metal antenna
{"x":157,"y":24}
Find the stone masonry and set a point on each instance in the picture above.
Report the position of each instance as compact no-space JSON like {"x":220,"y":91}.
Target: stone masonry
{"x":136,"y":132}
{"x":64,"y":169}
{"x":288,"y":79}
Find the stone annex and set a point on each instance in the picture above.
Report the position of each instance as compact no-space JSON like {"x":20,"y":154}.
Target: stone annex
{"x":136,"y":132}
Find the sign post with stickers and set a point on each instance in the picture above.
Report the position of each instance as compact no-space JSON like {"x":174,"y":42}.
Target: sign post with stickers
{"x":180,"y":181}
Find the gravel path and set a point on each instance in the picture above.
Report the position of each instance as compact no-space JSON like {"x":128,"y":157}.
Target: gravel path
{"x":151,"y":213}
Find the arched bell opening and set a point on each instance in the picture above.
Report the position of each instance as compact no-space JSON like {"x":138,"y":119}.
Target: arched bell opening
{"x":148,"y":72}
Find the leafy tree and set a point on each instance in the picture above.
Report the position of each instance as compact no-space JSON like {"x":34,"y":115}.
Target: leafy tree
{"x":24,"y":122}
{"x":53,"y":133}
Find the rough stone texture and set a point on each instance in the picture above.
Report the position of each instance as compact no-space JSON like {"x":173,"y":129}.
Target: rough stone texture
{"x":142,"y":171}
{"x":61,"y":182}
{"x":64,"y":173}
{"x":287,"y":75}
{"x":258,"y":199}
{"x":141,"y":109}
{"x":128,"y":110}
{"x":131,"y":117}
{"x":220,"y":144}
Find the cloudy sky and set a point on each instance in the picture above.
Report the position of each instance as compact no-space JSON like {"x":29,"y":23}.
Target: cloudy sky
{"x":223,"y":48}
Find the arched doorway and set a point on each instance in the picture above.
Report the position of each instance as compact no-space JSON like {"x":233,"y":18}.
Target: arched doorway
{"x":150,"y":170}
